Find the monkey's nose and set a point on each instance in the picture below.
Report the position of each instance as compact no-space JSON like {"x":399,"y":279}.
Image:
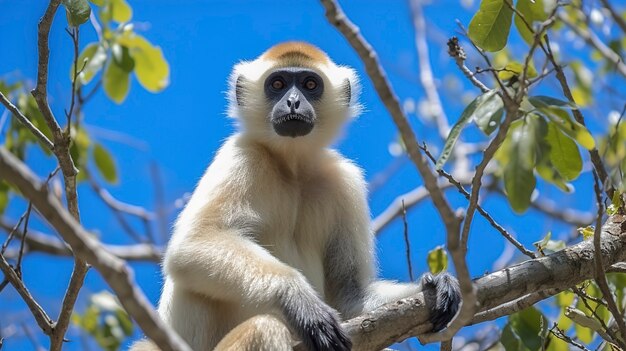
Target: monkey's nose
{"x":293,"y":102}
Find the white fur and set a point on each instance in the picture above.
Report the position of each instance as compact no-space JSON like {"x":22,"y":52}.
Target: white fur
{"x":259,"y":222}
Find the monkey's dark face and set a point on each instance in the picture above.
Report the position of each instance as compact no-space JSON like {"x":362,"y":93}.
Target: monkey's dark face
{"x":293,"y":92}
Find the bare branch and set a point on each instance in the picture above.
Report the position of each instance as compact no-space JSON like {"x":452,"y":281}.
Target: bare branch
{"x":451,"y":220}
{"x":456,"y":51}
{"x":45,"y":243}
{"x":86,"y":247}
{"x":514,"y":306}
{"x":394,"y":210}
{"x":616,"y":16}
{"x":426,"y":72}
{"x":44,"y":322}
{"x":24,"y":120}
{"x":592,"y":39}
{"x":596,"y":160}
{"x":517,"y":284}
{"x":600,"y":275}
{"x":480,"y":209}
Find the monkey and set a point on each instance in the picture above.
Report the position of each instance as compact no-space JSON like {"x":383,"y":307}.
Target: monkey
{"x":274,"y":246}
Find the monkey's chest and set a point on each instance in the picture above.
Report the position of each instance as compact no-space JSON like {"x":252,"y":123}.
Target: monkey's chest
{"x":297,"y":234}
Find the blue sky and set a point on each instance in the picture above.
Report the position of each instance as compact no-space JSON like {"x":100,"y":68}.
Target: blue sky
{"x":180,"y":129}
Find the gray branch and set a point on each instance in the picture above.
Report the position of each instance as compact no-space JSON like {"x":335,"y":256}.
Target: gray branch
{"x":503,"y":292}
{"x":86,"y":247}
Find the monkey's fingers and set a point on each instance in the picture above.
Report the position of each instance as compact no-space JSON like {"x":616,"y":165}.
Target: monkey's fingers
{"x":448,"y":298}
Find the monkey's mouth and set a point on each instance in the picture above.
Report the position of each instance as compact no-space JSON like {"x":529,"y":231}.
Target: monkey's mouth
{"x":293,"y":125}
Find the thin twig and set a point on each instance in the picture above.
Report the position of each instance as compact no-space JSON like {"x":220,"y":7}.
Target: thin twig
{"x":26,"y":122}
{"x":616,"y":16}
{"x":44,"y":322}
{"x":596,"y":160}
{"x":18,"y":265}
{"x":508,"y":236}
{"x":451,"y":220}
{"x":592,"y":39}
{"x":74,"y":33}
{"x":119,"y":208}
{"x":426,"y":72}
{"x":600,"y":275}
{"x":394,"y":210}
{"x":456,"y":51}
{"x":407,"y":242}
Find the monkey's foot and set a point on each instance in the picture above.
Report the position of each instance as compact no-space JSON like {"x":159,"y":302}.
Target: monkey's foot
{"x":448,"y":298}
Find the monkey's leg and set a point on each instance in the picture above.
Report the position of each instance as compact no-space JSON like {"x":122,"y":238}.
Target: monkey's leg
{"x":259,"y":333}
{"x":144,"y":345}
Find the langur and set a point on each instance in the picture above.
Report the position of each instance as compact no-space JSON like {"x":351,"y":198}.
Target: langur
{"x":274,"y":246}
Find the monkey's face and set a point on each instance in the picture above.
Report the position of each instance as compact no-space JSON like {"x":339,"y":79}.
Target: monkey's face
{"x":293,"y":93}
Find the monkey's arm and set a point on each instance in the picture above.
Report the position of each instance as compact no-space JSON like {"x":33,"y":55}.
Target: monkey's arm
{"x":349,"y":260}
{"x":230,"y":267}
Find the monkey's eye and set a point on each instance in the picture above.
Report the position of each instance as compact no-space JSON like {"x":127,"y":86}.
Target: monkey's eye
{"x":310,"y":84}
{"x":277,"y":84}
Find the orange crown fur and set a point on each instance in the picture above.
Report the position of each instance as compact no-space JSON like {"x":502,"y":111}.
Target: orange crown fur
{"x":295,"y":52}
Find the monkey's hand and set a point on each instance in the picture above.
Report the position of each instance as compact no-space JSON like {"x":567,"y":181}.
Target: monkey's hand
{"x":446,"y":289}
{"x":315,"y":323}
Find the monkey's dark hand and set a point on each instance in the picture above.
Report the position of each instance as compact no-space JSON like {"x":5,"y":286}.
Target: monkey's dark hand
{"x":445,"y":289}
{"x":316,"y":324}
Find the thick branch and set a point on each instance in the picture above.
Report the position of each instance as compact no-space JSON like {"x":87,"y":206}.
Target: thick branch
{"x":376,"y":73}
{"x":528,"y":281}
{"x":86,"y":247}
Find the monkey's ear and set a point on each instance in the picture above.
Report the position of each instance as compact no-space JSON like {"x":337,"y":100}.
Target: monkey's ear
{"x":239,"y":90}
{"x":347,"y":91}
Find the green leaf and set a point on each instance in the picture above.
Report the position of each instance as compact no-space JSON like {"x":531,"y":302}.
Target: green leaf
{"x":121,"y":11}
{"x":77,"y":12}
{"x":437,"y":260}
{"x":105,"y":163}
{"x":564,"y":121}
{"x":584,"y":334}
{"x":557,"y":344}
{"x":564,"y":153}
{"x":116,"y":82}
{"x":4,"y":196}
{"x":587,"y":232}
{"x":486,"y":110}
{"x":122,"y":57}
{"x":97,"y":2}
{"x":532,"y":10}
{"x":124,"y":321}
{"x":513,"y":69}
{"x":90,"y":61}
{"x":490,"y":26}
{"x":548,"y":172}
{"x":541,"y":101}
{"x":510,"y":340}
{"x":526,"y":139}
{"x":527,"y":325}
{"x":151,"y":68}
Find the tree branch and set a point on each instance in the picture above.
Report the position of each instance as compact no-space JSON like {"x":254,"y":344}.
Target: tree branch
{"x":26,"y":122}
{"x":592,"y":39}
{"x":86,"y":247}
{"x":351,"y":33}
{"x":426,"y":72}
{"x":45,"y":243}
{"x":522,"y":284}
{"x":44,"y":322}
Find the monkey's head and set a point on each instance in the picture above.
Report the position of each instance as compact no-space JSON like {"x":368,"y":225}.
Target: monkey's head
{"x":293,"y":93}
